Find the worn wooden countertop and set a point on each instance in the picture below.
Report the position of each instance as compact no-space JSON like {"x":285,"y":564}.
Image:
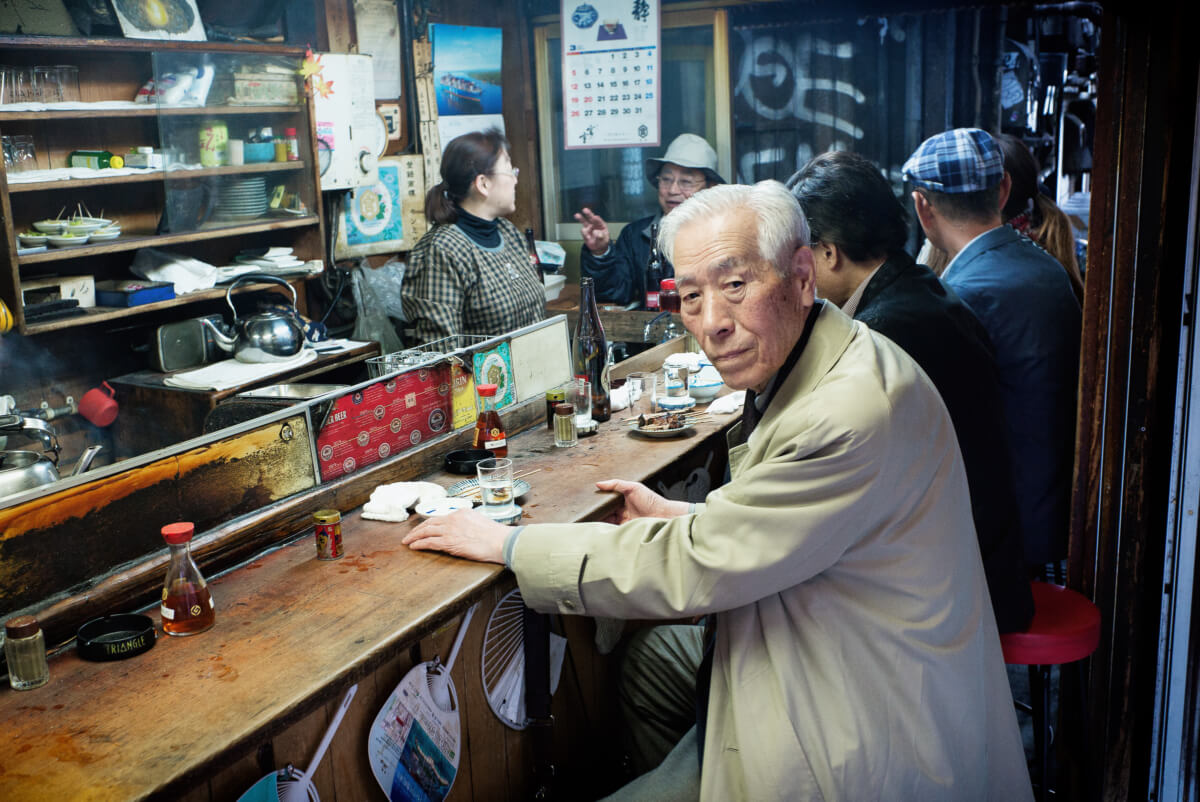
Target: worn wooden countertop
{"x":291,"y":632}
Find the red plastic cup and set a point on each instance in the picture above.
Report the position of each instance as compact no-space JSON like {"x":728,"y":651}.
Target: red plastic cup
{"x":98,"y":406}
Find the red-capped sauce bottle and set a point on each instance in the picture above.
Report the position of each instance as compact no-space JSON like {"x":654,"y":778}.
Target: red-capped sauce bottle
{"x":489,"y":430}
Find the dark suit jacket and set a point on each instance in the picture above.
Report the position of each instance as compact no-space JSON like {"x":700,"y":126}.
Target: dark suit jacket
{"x":909,"y":305}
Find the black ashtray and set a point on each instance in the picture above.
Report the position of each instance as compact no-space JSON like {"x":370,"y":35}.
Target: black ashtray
{"x":464,"y":461}
{"x":115,"y":637}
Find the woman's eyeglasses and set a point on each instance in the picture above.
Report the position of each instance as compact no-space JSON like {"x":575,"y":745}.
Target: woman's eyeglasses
{"x":516,"y":171}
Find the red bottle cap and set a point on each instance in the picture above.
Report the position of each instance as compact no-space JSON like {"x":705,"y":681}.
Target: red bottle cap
{"x":178,"y":533}
{"x":486,"y":390}
{"x":289,"y":132}
{"x":667,"y":284}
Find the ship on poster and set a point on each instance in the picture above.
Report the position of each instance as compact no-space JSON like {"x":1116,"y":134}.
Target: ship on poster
{"x":610,"y":72}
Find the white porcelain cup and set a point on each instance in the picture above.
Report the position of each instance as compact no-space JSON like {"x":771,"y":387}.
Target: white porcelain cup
{"x":236,"y":150}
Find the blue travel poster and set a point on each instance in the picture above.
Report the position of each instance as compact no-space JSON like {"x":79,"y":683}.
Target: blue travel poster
{"x":466,"y":69}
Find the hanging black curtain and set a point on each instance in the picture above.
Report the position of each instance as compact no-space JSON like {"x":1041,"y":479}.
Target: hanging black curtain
{"x":874,"y":85}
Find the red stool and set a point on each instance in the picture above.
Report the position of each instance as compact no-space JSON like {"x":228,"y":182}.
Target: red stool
{"x":1065,"y":629}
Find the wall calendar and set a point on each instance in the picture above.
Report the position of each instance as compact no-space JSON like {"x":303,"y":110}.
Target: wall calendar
{"x":610,"y":70}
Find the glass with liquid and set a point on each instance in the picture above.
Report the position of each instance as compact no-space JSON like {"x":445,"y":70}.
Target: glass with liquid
{"x":187,"y":606}
{"x":496,"y":487}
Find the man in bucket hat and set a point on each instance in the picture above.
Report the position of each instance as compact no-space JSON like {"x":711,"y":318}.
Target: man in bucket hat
{"x":1024,"y":299}
{"x":619,"y":269}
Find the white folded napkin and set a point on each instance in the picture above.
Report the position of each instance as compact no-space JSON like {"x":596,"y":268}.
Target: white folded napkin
{"x":728,"y":404}
{"x":391,"y":502}
{"x":230,"y":373}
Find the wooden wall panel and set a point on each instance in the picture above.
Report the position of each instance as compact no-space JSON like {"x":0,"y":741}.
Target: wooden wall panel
{"x":1132,"y":308}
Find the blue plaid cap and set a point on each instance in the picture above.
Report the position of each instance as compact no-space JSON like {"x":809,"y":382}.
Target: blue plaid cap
{"x":959,"y":160}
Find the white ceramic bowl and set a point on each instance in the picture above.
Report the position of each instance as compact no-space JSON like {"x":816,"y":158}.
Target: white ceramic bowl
{"x":50,"y":226}
{"x":705,"y":391}
{"x":104,"y":234}
{"x":32,"y":240}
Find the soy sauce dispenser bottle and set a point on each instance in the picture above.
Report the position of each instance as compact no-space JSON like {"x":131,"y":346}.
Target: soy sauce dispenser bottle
{"x":187,"y":606}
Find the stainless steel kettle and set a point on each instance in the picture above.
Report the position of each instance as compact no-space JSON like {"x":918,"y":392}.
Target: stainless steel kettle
{"x":265,"y":337}
{"x":22,"y":470}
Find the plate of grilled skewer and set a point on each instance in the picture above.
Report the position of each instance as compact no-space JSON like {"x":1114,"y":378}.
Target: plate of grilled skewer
{"x":665,"y":424}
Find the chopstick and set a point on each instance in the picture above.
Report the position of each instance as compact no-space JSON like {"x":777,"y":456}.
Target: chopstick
{"x":657,"y":415}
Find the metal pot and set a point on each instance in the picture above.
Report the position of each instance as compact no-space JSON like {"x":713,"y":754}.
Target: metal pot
{"x":24,"y":470}
{"x":265,"y":337}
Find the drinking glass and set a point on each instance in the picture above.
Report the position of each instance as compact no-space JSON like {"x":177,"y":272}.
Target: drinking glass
{"x":579,"y":394}
{"x":68,"y":81}
{"x":642,"y":390}
{"x":496,"y":487}
{"x":46,"y":84}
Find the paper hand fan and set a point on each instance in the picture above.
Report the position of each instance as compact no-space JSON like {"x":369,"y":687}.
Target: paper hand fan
{"x":502,"y":660}
{"x":414,"y":743}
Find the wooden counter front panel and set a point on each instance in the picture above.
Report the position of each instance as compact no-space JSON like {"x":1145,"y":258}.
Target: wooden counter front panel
{"x":73,"y":536}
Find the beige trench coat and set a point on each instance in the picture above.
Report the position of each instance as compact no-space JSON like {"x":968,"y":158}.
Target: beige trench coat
{"x":856,"y":656}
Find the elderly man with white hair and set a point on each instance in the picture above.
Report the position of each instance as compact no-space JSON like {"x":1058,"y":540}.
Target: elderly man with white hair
{"x":854,"y":653}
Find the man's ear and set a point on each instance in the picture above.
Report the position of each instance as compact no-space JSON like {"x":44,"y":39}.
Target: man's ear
{"x":924,"y":209}
{"x":826,"y":254}
{"x":1005,"y":190}
{"x":805,"y":272}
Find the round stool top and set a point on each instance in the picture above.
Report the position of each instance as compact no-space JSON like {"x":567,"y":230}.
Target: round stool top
{"x":1065,"y":628}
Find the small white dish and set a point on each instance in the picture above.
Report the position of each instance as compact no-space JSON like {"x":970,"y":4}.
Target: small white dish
{"x":85,"y":225}
{"x":675,"y":403}
{"x":104,"y":234}
{"x":63,"y":241}
{"x":32,"y":240}
{"x":442,"y":506}
{"x":50,"y":226}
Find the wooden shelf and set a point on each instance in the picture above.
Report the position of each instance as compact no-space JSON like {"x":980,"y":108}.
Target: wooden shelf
{"x":136,"y":241}
{"x":157,"y":175}
{"x":150,"y":110}
{"x":146,"y":45}
{"x":99,"y":314}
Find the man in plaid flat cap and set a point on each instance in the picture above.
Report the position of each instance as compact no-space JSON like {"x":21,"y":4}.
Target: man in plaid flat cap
{"x":1024,"y":299}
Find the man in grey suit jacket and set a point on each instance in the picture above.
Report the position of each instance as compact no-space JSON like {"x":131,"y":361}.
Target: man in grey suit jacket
{"x":854,"y":654}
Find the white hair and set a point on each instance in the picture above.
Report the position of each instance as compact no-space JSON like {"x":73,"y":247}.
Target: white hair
{"x":781,"y":224}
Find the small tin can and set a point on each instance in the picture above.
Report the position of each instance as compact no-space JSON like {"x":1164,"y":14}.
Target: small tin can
{"x":328,"y":524}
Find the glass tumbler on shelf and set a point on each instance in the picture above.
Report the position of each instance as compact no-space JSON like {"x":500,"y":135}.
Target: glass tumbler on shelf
{"x":46,"y":84}
{"x":496,"y":487}
{"x":68,"y":82}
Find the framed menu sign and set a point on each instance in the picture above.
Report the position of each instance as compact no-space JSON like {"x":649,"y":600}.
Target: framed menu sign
{"x":610,"y":73}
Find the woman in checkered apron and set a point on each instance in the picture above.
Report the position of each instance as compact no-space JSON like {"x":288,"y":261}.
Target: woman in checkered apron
{"x":470,"y":273}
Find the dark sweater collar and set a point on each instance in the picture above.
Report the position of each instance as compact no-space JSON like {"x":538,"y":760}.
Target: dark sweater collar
{"x":484,"y":233}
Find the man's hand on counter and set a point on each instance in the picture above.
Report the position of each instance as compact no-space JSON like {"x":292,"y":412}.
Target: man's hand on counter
{"x":641,"y":502}
{"x":466,"y":533}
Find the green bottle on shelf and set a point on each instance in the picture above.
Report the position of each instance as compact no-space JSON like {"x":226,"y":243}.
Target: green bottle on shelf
{"x":96,"y":159}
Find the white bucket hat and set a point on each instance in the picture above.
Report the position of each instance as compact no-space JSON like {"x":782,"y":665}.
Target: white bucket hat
{"x":691,"y":151}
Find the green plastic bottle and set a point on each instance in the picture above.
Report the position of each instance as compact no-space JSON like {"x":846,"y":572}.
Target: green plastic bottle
{"x":96,"y":159}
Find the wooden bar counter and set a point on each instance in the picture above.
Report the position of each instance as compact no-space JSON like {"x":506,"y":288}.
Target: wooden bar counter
{"x":203,"y":717}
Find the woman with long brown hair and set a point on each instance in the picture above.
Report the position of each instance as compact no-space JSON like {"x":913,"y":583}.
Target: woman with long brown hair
{"x":470,"y":273}
{"x":1034,"y":214}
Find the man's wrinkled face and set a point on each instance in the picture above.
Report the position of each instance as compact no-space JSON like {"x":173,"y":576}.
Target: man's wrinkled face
{"x":746,"y":316}
{"x":676,"y":184}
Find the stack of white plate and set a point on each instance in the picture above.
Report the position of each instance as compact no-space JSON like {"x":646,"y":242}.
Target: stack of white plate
{"x":242,"y":198}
